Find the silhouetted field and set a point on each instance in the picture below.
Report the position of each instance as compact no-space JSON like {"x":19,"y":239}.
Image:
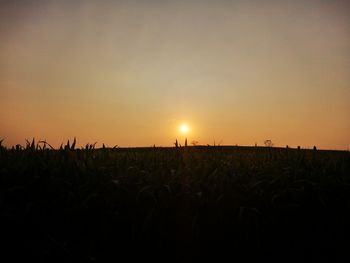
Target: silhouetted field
{"x":175,"y":204}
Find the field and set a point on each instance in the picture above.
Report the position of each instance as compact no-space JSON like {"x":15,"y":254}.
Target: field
{"x":174,"y":204}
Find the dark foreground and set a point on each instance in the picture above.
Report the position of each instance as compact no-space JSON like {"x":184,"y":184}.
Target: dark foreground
{"x":175,"y":204}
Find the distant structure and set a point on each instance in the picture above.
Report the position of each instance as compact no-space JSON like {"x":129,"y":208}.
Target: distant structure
{"x":268,"y":143}
{"x":186,"y":142}
{"x":315,"y":148}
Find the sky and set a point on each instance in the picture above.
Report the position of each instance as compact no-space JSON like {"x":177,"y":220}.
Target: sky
{"x":129,"y":73}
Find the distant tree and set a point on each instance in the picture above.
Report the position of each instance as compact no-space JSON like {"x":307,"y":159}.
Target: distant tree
{"x":194,"y":143}
{"x":176,"y":144}
{"x":186,"y":142}
{"x":268,"y":143}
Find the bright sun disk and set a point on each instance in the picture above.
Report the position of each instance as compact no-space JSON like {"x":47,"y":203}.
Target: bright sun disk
{"x":184,"y":128}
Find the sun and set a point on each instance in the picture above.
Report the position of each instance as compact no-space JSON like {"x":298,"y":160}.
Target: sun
{"x":184,"y":129}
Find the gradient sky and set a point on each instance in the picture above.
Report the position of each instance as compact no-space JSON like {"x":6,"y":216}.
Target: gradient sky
{"x":130,"y":72}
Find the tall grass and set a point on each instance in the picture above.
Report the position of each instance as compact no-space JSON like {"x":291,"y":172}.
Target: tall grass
{"x":191,"y":203}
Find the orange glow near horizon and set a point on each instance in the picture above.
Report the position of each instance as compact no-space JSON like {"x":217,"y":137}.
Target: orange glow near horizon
{"x":129,"y":73}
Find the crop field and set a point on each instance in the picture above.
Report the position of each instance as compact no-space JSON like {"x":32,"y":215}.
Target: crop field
{"x":179,"y":204}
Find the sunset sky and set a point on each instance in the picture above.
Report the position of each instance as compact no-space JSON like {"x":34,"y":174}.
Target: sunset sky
{"x":131,"y":72}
